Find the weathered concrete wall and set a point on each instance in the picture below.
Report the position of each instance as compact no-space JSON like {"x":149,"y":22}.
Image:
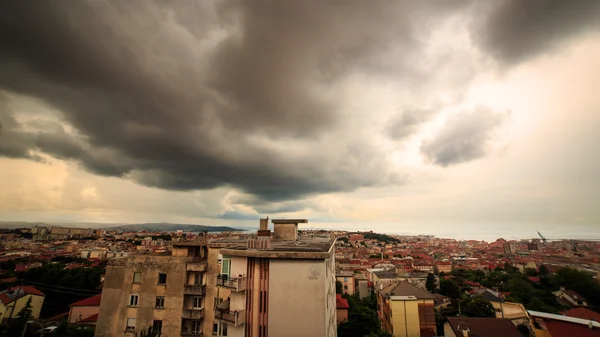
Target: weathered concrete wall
{"x":297,"y":298}
{"x":118,"y":286}
{"x":212,"y":291}
{"x":285,"y":232}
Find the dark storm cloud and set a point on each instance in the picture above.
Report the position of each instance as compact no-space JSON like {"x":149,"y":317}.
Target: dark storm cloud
{"x":464,"y":137}
{"x":515,"y":30}
{"x":187,"y":95}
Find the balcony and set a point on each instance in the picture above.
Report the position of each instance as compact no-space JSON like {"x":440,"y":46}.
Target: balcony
{"x":236,"y":318}
{"x":191,"y":334}
{"x":192,"y":313}
{"x":194,"y":289}
{"x":234,"y":284}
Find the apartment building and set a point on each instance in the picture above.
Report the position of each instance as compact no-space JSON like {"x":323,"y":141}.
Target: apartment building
{"x":162,"y":291}
{"x":282,"y":285}
{"x":405,"y":310}
{"x":346,"y":278}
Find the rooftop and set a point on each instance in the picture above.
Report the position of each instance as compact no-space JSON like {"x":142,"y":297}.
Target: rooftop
{"x":484,"y":327}
{"x":306,"y":247}
{"x":402,"y":288}
{"x":93,"y":301}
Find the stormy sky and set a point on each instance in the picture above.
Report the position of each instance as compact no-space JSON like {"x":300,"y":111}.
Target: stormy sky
{"x":399,"y":116}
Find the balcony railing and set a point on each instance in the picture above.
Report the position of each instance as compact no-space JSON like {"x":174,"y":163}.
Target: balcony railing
{"x":194,"y":289}
{"x":237,"y":318}
{"x":234,"y":283}
{"x":192,"y":313}
{"x":191,"y":334}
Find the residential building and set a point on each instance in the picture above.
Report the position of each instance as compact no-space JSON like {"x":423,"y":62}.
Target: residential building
{"x":284,"y":286}
{"x":361,"y":285}
{"x":480,"y":327}
{"x":405,"y":310}
{"x":346,"y":278}
{"x":443,"y":267}
{"x":510,"y":248}
{"x":86,"y":309}
{"x":163,"y":291}
{"x":552,"y":325}
{"x":570,"y":298}
{"x":342,"y":307}
{"x":14,"y":299}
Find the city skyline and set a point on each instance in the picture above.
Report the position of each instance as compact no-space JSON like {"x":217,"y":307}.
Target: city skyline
{"x":459,"y":118}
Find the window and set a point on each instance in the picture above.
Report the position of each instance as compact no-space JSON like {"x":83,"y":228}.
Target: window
{"x":197,"y":278}
{"x":215,"y":329}
{"x":157,"y":325}
{"x":133,"y":300}
{"x":197,"y":302}
{"x":223,"y":329}
{"x":137,"y":277}
{"x":130,"y":324}
{"x":196,"y":327}
{"x":162,"y":278}
{"x":345,"y":287}
{"x":160,"y":302}
{"x":226,"y":267}
{"x":217,"y":301}
{"x":345,"y":279}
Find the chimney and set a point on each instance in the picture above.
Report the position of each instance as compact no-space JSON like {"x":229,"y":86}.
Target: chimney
{"x":263,"y":230}
{"x":286,"y":229}
{"x":264,"y":224}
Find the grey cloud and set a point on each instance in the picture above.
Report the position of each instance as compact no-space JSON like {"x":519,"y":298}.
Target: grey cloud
{"x":188,"y":95}
{"x":407,"y":122}
{"x":514,"y":30}
{"x":464,"y":137}
{"x":235,"y":215}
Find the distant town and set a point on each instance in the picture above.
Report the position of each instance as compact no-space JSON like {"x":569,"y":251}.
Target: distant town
{"x":282,"y":279}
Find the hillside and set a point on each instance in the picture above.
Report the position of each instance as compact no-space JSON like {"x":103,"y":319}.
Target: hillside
{"x":151,"y":227}
{"x":170,"y":227}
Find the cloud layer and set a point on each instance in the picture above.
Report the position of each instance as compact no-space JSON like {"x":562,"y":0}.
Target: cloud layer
{"x":266,"y":97}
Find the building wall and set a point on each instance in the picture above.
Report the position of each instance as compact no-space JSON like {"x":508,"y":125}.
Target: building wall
{"x":347,"y":284}
{"x":405,"y":318}
{"x":78,"y":313}
{"x":12,"y":309}
{"x":118,"y":286}
{"x":363,"y":288}
{"x":297,"y":298}
{"x":331,"y":314}
{"x":341,"y":315}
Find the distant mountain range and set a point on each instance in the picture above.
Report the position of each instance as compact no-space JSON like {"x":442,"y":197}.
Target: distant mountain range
{"x":151,"y":227}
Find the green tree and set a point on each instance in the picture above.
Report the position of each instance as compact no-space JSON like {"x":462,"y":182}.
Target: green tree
{"x":543,"y":271}
{"x":430,"y":282}
{"x":449,"y":288}
{"x":18,"y":324}
{"x":476,"y":306}
{"x":338,"y":287}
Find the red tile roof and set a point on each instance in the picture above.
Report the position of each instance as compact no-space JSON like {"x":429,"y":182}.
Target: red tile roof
{"x":340,"y":302}
{"x":583,"y":313}
{"x":8,"y":280}
{"x":93,"y":301}
{"x":13,"y":293}
{"x":565,"y":329}
{"x":484,"y":327}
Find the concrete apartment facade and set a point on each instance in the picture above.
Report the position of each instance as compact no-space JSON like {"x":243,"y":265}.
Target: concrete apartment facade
{"x":346,"y":278}
{"x":165,"y":292}
{"x":405,"y":310}
{"x":284,"y":286}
